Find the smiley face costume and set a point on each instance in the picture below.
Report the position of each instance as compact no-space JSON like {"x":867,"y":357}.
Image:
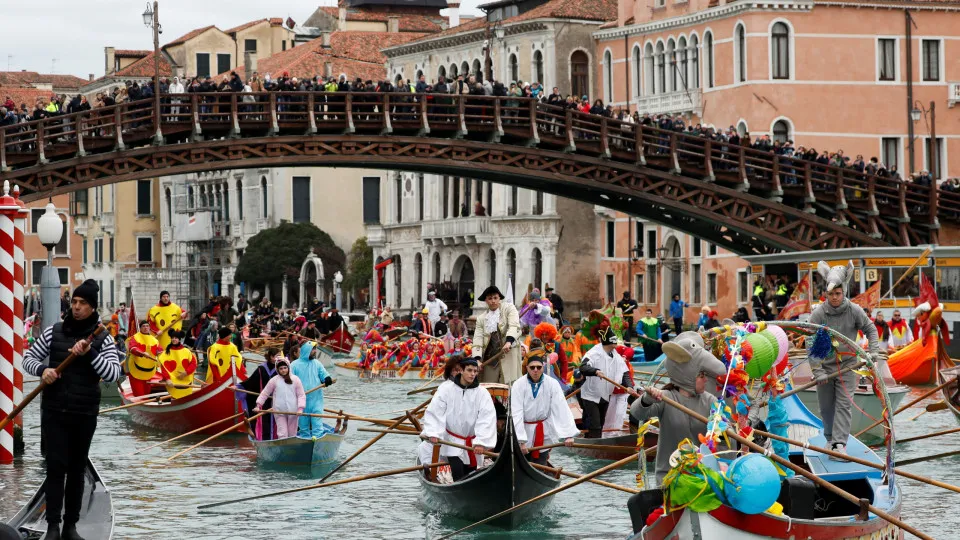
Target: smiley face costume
{"x":179,"y":364}
{"x":160,"y":317}
{"x":219,"y":358}
{"x":140,"y":368}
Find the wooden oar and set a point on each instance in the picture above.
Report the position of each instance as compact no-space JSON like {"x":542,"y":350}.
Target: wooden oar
{"x":157,"y":399}
{"x":199,"y":429}
{"x":43,"y":385}
{"x":377,"y":421}
{"x":801,"y":471}
{"x":926,"y":458}
{"x":370,"y":443}
{"x":552,"y":492}
{"x":630,"y":391}
{"x":212,"y":437}
{"x":907,"y":406}
{"x":327,"y":484}
{"x":423,"y":387}
{"x":585,"y":447}
{"x":421,"y":390}
{"x":248,"y":392}
{"x":311,"y":415}
{"x":571,"y":394}
{"x":928,"y":435}
{"x":811,"y":384}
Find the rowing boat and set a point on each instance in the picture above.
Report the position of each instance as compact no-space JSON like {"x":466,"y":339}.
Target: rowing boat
{"x":621,"y":444}
{"x":509,"y":481}
{"x":204,"y":406}
{"x":96,"y":512}
{"x":390,"y":373}
{"x":948,"y":371}
{"x":330,"y":358}
{"x":301,"y":451}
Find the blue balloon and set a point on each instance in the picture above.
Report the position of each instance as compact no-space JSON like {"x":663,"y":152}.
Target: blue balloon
{"x":754,"y":484}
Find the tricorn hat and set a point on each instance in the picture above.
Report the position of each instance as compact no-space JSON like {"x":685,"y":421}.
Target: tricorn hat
{"x":491,"y":290}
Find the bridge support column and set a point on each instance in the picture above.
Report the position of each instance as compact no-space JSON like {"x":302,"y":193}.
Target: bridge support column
{"x":776,"y":190}
{"x":10,"y":211}
{"x":274,"y":124}
{"x":424,"y":123}
{"x":311,"y":115}
{"x":41,"y":142}
{"x":708,"y":161}
{"x":385,"y":111}
{"x":568,"y":127}
{"x":348,"y":106}
{"x":196,"y":134}
{"x":235,"y":117}
{"x":638,"y":146}
{"x":497,"y":132}
{"x":19,"y":228}
{"x":534,"y":139}
{"x":461,"y":118}
{"x":79,"y":129}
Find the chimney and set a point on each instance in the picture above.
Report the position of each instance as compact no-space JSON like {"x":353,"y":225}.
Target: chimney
{"x":453,"y":12}
{"x":325,"y":40}
{"x":393,"y":24}
{"x":249,"y":62}
{"x":342,"y":18}
{"x":90,"y":77}
{"x":328,"y":69}
{"x":110,"y":60}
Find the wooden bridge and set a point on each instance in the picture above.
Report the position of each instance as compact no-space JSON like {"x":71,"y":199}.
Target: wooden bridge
{"x":746,"y":200}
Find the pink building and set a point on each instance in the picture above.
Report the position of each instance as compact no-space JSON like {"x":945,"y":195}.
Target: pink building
{"x":832,"y":75}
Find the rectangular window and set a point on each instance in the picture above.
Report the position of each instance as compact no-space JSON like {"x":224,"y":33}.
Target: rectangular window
{"x":609,"y":288}
{"x":652,"y":244}
{"x":100,"y":294}
{"x":712,"y":249}
{"x":203,"y":65}
{"x":223,"y":63}
{"x":36,"y":271}
{"x":61,"y":249}
{"x":64,"y":275}
{"x":933,"y":155}
{"x":638,"y":238}
{"x":78,"y":203}
{"x":890,"y":152}
{"x":743,"y":287}
{"x":112,"y":299}
{"x":110,"y":250}
{"x":301,"y":199}
{"x":283,"y":45}
{"x":696,"y":286}
{"x":638,"y":285}
{"x":97,"y":250}
{"x":611,"y":240}
{"x":371,"y":199}
{"x":35,"y":214}
{"x":168,"y":261}
{"x":651,"y":284}
{"x":144,"y":197}
{"x":144,"y":249}
{"x":887,"y":59}
{"x":84,"y":251}
{"x":697,"y":247}
{"x":712,"y":289}
{"x":930,"y":51}
{"x":250,"y":45}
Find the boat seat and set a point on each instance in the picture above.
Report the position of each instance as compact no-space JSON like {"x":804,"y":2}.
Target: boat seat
{"x":821,"y":464}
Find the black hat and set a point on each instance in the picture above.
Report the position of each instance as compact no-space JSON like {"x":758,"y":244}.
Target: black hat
{"x":490,"y":291}
{"x":224,"y":332}
{"x":89,"y":291}
{"x":179,"y":334}
{"x":469,"y":361}
{"x":164,"y":293}
{"x":143,"y":322}
{"x":608,"y":337}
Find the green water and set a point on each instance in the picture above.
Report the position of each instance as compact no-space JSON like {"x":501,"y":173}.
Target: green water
{"x":155,"y":498}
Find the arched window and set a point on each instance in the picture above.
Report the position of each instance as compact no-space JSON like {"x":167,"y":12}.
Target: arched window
{"x":397,"y":277}
{"x":240,"y":200}
{"x":672,"y":68}
{"x":538,"y":67}
{"x":682,"y":61}
{"x":492,"y":261}
{"x":263,"y":197}
{"x":661,"y":68}
{"x":512,"y":269}
{"x":636,"y":61}
{"x":780,"y":51}
{"x":453,"y":71}
{"x":694,"y":62}
{"x":579,"y":73}
{"x":742,"y":128}
{"x":477,"y":71}
{"x":607,"y":76}
{"x":398,"y":192}
{"x":226,"y":201}
{"x":442,"y":72}
{"x":437,"y":277}
{"x":465,"y":69}
{"x":740,"y":43}
{"x":781,"y":131}
{"x":418,"y":275}
{"x":514,"y":68}
{"x":708,"y":44}
{"x":649,"y":72}
{"x":167,"y":196}
{"x":537,"y":268}
{"x":419,"y":74}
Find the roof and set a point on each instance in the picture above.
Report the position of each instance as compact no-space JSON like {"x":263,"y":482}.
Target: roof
{"x":26,"y":78}
{"x":274,"y":21}
{"x":129,"y":53}
{"x":144,"y":68}
{"x":189,"y":35}
{"x":21,"y":95}
{"x":408,"y":22}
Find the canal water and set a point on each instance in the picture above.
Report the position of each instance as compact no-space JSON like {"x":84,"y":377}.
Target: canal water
{"x":155,"y":498}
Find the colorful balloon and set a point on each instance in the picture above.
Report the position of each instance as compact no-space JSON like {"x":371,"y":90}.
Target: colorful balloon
{"x":762,"y":358}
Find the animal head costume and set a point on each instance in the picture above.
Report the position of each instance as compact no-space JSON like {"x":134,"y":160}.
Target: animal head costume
{"x":929,"y":313}
{"x":837,"y":276}
{"x":686,"y":358}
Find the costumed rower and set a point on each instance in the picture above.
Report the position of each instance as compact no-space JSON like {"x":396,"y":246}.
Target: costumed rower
{"x":461,"y":412}
{"x":312,"y":373}
{"x":178,"y":364}
{"x":164,"y":317}
{"x":689,"y":367}
{"x":536,"y":311}
{"x":648,"y":330}
{"x":569,"y":351}
{"x":839,"y":314}
{"x":140,"y":368}
{"x":596,"y":393}
{"x":540,"y":413}
{"x":497,"y":329}
{"x":901,"y":334}
{"x":263,"y":429}
{"x":288,"y":395}
{"x":619,"y":400}
{"x":221,"y":356}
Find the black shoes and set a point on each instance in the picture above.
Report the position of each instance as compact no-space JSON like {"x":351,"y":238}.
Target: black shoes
{"x":53,"y":532}
{"x":70,"y":532}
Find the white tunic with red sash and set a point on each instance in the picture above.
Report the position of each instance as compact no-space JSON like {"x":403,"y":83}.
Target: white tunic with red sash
{"x":459,"y":415}
{"x":543,"y":418}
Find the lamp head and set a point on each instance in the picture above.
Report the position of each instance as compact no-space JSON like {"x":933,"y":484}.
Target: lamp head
{"x":915,"y":114}
{"x":499,"y":32}
{"x":50,"y":227}
{"x":338,"y":277}
{"x":148,"y":16}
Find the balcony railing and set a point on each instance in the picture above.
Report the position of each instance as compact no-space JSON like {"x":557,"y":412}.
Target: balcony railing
{"x":470,"y":230}
{"x":953,"y":95}
{"x":673,"y":102}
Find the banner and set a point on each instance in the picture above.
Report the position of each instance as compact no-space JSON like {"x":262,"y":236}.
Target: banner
{"x":870,"y":298}
{"x":799,"y":301}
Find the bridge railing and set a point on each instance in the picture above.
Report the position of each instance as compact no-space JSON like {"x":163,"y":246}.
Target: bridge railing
{"x":237,"y":114}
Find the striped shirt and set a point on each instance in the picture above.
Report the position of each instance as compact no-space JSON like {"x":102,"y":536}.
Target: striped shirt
{"x":106,"y":364}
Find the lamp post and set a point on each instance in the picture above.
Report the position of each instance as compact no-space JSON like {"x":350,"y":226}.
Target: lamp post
{"x":50,"y":231}
{"x":338,"y":279}
{"x":499,"y":32}
{"x":933,"y":161}
{"x":151,"y":18}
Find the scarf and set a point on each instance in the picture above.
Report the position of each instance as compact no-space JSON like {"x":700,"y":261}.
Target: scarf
{"x":535,"y":386}
{"x":492,"y":322}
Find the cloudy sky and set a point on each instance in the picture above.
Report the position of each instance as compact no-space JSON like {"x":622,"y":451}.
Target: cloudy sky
{"x":63,"y":36}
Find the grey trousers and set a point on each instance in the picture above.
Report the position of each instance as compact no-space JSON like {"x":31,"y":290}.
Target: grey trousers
{"x":836,"y":406}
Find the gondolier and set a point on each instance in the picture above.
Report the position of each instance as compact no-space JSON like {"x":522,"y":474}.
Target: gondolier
{"x":539,"y":411}
{"x":497,"y":329}
{"x":71,"y":402}
{"x":596,"y":393}
{"x":461,"y":412}
{"x":435,"y":307}
{"x":165,"y":316}
{"x":835,"y":396}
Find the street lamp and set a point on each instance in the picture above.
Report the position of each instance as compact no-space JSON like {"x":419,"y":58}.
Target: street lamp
{"x":50,"y":231}
{"x":637,"y":252}
{"x":338,"y":279}
{"x":933,"y":161}
{"x":151,"y":18}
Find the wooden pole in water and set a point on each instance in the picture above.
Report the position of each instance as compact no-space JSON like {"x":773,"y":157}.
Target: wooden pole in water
{"x":928,"y":458}
{"x":212,"y":437}
{"x":905,"y":407}
{"x":929,"y":435}
{"x":198,"y":430}
{"x":157,"y":399}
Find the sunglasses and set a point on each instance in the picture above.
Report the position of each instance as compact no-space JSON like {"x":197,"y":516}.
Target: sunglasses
{"x":534,"y":367}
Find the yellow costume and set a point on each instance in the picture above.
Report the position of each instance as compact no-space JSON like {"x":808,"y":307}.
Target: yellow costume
{"x":141,"y":368}
{"x":179,"y":364}
{"x":219,"y":356}
{"x":160,"y":317}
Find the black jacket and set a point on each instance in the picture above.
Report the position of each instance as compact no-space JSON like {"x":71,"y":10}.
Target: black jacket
{"x":78,"y":389}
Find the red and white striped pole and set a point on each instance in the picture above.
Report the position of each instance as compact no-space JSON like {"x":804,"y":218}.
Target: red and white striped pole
{"x":19,"y":224}
{"x":9,"y":212}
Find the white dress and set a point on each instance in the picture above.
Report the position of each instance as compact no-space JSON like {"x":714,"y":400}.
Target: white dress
{"x":613,"y":367}
{"x":547,"y":407}
{"x":457,"y":414}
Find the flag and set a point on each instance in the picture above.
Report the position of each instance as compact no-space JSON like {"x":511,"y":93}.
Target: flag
{"x":192,"y":220}
{"x":133,"y":325}
{"x":870,"y":298}
{"x":799,"y":300}
{"x":509,"y":298}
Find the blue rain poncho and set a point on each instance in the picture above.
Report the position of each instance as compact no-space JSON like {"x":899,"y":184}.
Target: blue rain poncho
{"x":312,"y":373}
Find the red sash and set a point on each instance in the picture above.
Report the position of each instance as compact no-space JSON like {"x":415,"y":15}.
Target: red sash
{"x":467,"y":441}
{"x":537,"y":437}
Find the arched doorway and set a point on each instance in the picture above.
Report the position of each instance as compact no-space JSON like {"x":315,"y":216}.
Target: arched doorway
{"x":311,"y":279}
{"x":580,"y":73}
{"x":672,"y":270}
{"x":464,"y":277}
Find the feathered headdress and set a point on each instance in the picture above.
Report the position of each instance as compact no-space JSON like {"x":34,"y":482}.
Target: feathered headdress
{"x":545,"y":332}
{"x":590,"y":325}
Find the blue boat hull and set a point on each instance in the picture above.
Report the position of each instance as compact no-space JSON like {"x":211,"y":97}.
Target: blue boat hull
{"x":300,"y":452}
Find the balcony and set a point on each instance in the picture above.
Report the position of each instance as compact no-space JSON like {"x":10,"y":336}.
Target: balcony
{"x":108,"y":222}
{"x":689,"y":101}
{"x":222,"y":229}
{"x":376,"y":236}
{"x":263,"y":224}
{"x":953,"y":95}
{"x":457,"y":231}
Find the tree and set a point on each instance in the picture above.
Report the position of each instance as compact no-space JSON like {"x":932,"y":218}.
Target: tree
{"x":278,"y":253}
{"x":361,"y":266}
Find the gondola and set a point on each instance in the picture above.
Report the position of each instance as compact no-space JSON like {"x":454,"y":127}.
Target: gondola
{"x":509,"y":481}
{"x":96,"y":514}
{"x":300,"y":451}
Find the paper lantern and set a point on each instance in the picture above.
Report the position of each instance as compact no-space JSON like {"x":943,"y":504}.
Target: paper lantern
{"x":783,"y":341}
{"x":769,"y":336}
{"x":762,"y":358}
{"x":754,"y":484}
